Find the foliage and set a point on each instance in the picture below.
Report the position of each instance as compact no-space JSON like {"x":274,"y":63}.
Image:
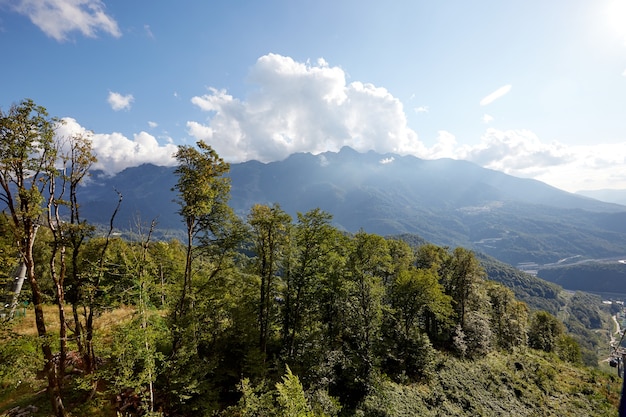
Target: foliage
{"x":536,"y":293}
{"x":521,"y":384}
{"x":544,"y":332}
{"x":20,"y":359}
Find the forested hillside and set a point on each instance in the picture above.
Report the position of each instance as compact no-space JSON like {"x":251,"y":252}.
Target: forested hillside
{"x":261,"y":315}
{"x":598,"y":276}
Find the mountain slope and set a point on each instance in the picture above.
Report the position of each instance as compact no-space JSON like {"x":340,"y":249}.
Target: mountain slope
{"x":447,"y":202}
{"x":608,"y":195}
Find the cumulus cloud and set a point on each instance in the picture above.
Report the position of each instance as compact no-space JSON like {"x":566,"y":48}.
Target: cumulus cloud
{"x":590,"y":167}
{"x":58,"y":18}
{"x":116,"y":152}
{"x":119,"y":102}
{"x":302,"y":107}
{"x":386,"y":161}
{"x":152,"y":124}
{"x":490,"y":98}
{"x":518,"y":152}
{"x":445,"y":147}
{"x":487,"y":118}
{"x":523,"y":154}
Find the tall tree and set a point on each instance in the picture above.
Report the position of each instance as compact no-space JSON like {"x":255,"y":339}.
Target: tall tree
{"x":369,"y":262}
{"x":203,"y":191}
{"x":213,"y":233}
{"x":312,"y":245}
{"x":27,"y":162}
{"x":76,"y":158}
{"x":463,"y":283}
{"x":270,"y":231}
{"x":509,"y":317}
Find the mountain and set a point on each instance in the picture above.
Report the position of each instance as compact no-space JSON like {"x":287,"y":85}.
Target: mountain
{"x":608,"y":195}
{"x":445,"y":201}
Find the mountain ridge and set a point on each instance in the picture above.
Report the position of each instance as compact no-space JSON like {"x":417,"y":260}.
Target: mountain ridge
{"x":445,"y":201}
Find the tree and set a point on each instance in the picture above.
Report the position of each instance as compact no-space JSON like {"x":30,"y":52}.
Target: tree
{"x":568,"y":349}
{"x":213,"y":233}
{"x":270,"y":232}
{"x":27,"y":162}
{"x":203,"y":191}
{"x":462,"y":284}
{"x":369,"y":262}
{"x":312,"y":244}
{"x":474,"y":336}
{"x":509,"y":317}
{"x":76,"y":158}
{"x":291,"y":399}
{"x":544,"y":332}
{"x":416,"y":294}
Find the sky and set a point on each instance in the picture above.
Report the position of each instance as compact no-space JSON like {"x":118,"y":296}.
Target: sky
{"x":534,"y":88}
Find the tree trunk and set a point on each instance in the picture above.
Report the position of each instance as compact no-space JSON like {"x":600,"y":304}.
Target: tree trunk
{"x":54,"y":389}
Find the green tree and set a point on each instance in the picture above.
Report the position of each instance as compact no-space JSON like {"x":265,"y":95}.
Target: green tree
{"x":312,"y":244}
{"x":291,"y":399}
{"x":203,"y":191}
{"x":27,"y":162}
{"x":270,"y":232}
{"x":544,"y":332}
{"x":568,"y":349}
{"x":416,"y":294}
{"x":463,"y":282}
{"x":369,"y":262}
{"x":197,"y":317}
{"x":76,"y":158}
{"x":509,"y":318}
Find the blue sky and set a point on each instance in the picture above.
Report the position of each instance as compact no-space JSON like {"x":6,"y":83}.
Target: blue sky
{"x":536,"y":89}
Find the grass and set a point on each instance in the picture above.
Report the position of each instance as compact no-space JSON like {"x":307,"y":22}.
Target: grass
{"x":26,"y":326}
{"x":21,"y":383}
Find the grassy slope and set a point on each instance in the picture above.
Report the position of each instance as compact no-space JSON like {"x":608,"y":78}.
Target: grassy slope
{"x":521,"y":384}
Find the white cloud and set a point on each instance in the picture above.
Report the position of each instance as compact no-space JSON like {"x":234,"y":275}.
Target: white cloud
{"x":58,"y":18}
{"x":490,"y":98}
{"x":299,"y":107}
{"x":487,"y":118}
{"x":517,"y":152}
{"x":386,"y":161}
{"x":116,"y":152}
{"x":422,"y":109}
{"x":522,"y":154}
{"x":119,"y":102}
{"x":152,"y":124}
{"x":445,"y":147}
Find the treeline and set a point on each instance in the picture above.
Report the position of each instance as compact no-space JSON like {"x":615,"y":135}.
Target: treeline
{"x":262,"y":315}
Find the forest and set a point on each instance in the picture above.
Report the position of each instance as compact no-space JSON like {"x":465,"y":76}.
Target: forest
{"x":259,"y":315}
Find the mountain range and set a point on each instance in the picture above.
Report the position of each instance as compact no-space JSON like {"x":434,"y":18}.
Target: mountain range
{"x":447,"y":202}
{"x":609,"y":195}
